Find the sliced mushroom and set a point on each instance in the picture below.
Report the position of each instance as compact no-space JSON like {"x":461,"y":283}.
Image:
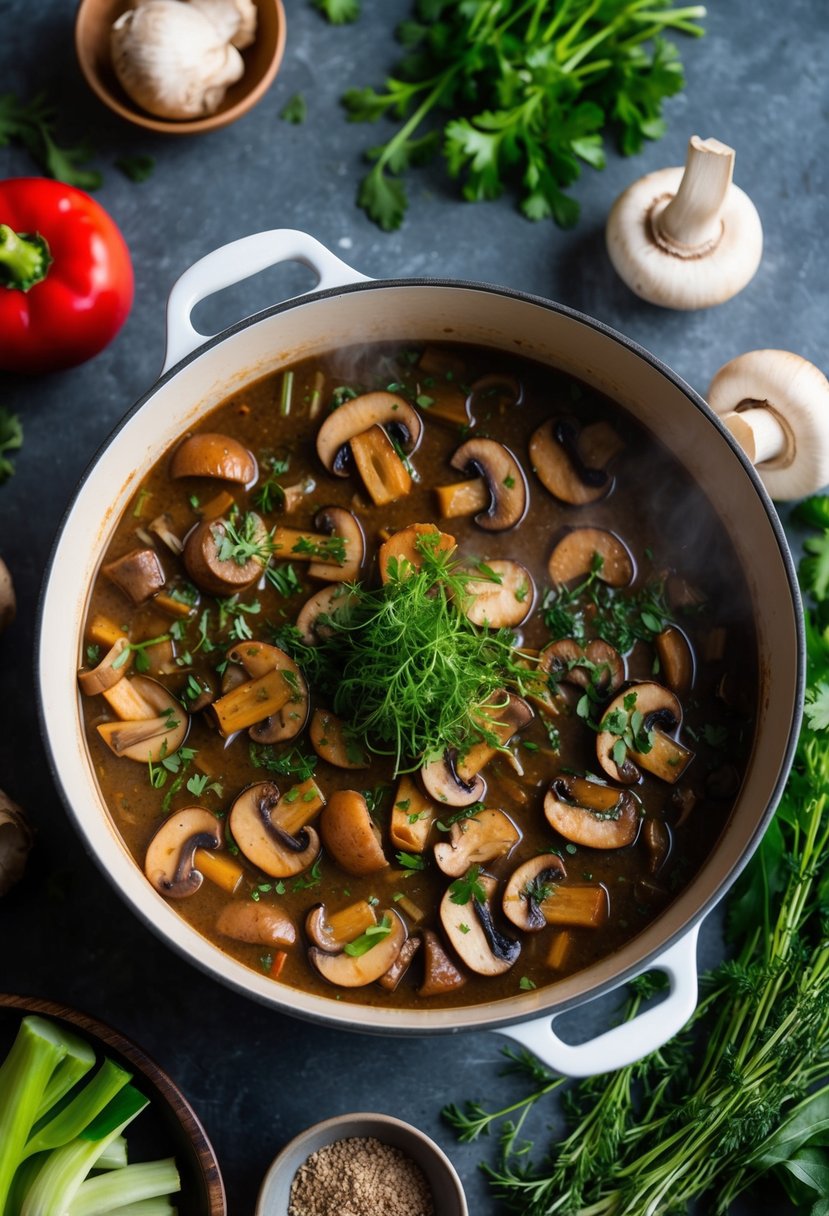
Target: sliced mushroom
{"x":582,"y":550}
{"x":457,"y":781}
{"x":138,"y":574}
{"x":571,"y":462}
{"x":147,"y":739}
{"x":333,"y":601}
{"x":337,"y":521}
{"x":442,"y":782}
{"x":334,"y":743}
{"x":258,"y":923}
{"x":473,"y":935}
{"x":402,"y":553}
{"x":590,"y":814}
{"x":412,"y":817}
{"x":392,"y":978}
{"x":350,"y":835}
{"x":676,"y":659}
{"x":502,"y":602}
{"x":8,"y":601}
{"x":332,"y":932}
{"x":528,"y":887}
{"x":112,"y":668}
{"x":482,"y":837}
{"x":657,"y":837}
{"x":660,"y":712}
{"x":206,"y":569}
{"x":358,"y":415}
{"x":255,"y":823}
{"x":509,"y":494}
{"x":169,"y":861}
{"x":355,"y":971}
{"x":258,"y":659}
{"x":214,"y":455}
{"x":440,"y":974}
{"x":596,"y":664}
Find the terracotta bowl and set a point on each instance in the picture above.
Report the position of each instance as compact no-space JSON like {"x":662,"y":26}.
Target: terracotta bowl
{"x":93,"y":23}
{"x":447,"y":1191}
{"x":168,"y":1127}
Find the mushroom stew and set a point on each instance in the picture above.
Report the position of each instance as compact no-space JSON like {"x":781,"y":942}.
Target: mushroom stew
{"x":423,"y":673}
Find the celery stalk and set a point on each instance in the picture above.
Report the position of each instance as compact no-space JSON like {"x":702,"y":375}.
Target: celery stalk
{"x":114,"y":1156}
{"x":25,"y":1074}
{"x":79,"y":1059}
{"x":162,"y":1206}
{"x":79,"y":1113}
{"x":118,"y":1189}
{"x":66,"y":1168}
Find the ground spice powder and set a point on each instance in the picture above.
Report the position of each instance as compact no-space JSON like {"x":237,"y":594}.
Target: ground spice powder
{"x":360,"y":1176}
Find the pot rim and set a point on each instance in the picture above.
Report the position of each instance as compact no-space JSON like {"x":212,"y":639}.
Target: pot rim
{"x":462,"y":1017}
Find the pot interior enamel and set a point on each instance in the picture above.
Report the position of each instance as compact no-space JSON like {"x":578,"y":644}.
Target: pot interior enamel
{"x":409,"y":311}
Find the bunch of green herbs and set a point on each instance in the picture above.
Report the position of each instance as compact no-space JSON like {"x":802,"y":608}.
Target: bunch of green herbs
{"x":744,"y":1090}
{"x":518,"y":94}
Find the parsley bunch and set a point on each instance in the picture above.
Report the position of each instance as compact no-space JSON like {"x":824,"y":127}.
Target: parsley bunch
{"x":529,"y":86}
{"x":743,"y":1092}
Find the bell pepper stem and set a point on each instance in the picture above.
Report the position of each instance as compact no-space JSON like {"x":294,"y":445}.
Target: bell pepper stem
{"x":24,"y":259}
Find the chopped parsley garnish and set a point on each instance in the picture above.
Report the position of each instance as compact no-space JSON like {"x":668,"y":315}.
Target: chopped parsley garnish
{"x":372,"y":936}
{"x":468,"y":887}
{"x":270,"y":494}
{"x":411,"y":861}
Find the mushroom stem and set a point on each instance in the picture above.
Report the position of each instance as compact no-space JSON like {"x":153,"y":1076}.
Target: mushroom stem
{"x":759,"y":432}
{"x":689,"y":224}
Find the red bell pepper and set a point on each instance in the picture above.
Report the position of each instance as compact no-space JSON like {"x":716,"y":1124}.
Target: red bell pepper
{"x":66,"y":282}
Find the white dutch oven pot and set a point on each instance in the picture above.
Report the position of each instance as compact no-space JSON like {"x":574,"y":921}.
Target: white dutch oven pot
{"x":200,"y":371}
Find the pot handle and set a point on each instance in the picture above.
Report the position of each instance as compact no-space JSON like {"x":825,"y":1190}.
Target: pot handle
{"x":630,"y":1041}
{"x":237,"y":261}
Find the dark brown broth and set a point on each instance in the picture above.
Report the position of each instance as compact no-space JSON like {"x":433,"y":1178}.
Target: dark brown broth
{"x":667,"y":524}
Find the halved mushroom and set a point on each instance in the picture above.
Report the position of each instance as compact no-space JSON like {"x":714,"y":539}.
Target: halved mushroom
{"x":358,"y":415}
{"x":356,"y":970}
{"x":658,"y":711}
{"x":337,"y":521}
{"x":256,"y":821}
{"x":594,"y":664}
{"x":590,"y":814}
{"x":582,"y":550}
{"x":333,"y":742}
{"x":503,"y":601}
{"x":152,"y":723}
{"x":112,"y":668}
{"x":482,"y":837}
{"x":138,"y":574}
{"x":276,"y":693}
{"x":473,"y":935}
{"x":676,"y":659}
{"x":442,"y":782}
{"x":528,"y":887}
{"x":331,"y":932}
{"x":169,"y":861}
{"x":412,"y":817}
{"x":214,"y":455}
{"x":258,"y":923}
{"x":657,"y":837}
{"x":390,"y":980}
{"x":457,"y":782}
{"x":328,"y":601}
{"x":350,"y":835}
{"x":209,"y":572}
{"x":571,"y":462}
{"x":439,"y":972}
{"x":402,"y":553}
{"x":509,"y":494}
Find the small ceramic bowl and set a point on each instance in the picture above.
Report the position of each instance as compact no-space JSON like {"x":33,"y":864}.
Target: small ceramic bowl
{"x":168,"y":1127}
{"x":447,"y":1192}
{"x":93,"y":23}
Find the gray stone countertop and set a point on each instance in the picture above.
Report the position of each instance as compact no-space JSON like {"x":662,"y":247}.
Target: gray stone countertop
{"x":756,"y":81}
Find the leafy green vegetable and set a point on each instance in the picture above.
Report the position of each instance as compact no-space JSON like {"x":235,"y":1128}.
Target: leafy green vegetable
{"x":137,"y":168}
{"x":339,"y":12}
{"x":744,"y":1089}
{"x":295,"y":109}
{"x":33,"y":125}
{"x":11,"y":440}
{"x":373,"y":934}
{"x":529,"y":86}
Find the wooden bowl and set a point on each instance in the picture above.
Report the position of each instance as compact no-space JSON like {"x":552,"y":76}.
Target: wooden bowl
{"x":167,"y":1128}
{"x":93,"y":23}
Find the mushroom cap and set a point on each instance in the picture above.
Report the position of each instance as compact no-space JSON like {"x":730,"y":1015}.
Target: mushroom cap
{"x":510,"y":495}
{"x":604,"y":668}
{"x":350,"y":835}
{"x":653,"y":701}
{"x":150,"y":738}
{"x":503,"y":604}
{"x":106,"y":673}
{"x":259,"y":923}
{"x":482,"y":837}
{"x":570,"y":462}
{"x":402,"y":546}
{"x":597,"y":816}
{"x":796,"y":393}
{"x":359,"y":415}
{"x":208,"y":572}
{"x":518,"y":906}
{"x":168,"y":863}
{"x":328,"y":601}
{"x":254,"y":822}
{"x":472,"y":934}
{"x":439,"y":972}
{"x":441,"y":781}
{"x":336,"y":521}
{"x":210,"y":454}
{"x":355,"y":971}
{"x":672,"y":278}
{"x":258,"y":658}
{"x":575,"y":552}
